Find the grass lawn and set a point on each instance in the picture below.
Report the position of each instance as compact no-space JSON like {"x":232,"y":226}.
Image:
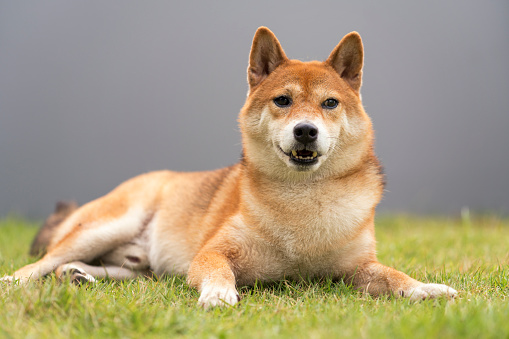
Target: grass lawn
{"x":471,"y":256}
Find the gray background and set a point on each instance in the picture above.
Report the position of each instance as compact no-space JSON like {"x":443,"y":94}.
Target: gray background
{"x":94,"y":92}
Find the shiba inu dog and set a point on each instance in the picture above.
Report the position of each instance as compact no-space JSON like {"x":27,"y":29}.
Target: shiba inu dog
{"x":300,"y":203}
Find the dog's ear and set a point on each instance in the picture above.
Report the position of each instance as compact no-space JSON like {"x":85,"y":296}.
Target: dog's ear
{"x":266,"y":55}
{"x":347,"y":58}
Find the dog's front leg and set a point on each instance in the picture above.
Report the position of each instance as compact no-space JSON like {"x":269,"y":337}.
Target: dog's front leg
{"x":376,"y":279}
{"x":210,"y":272}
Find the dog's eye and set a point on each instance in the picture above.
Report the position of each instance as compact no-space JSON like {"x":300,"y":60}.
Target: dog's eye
{"x":283,"y":101}
{"x":330,"y":103}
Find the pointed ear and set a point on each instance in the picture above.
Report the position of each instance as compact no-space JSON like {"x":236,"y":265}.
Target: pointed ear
{"x":266,"y":55}
{"x":347,"y":59}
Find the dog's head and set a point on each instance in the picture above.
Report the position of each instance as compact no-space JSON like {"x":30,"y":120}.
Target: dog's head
{"x":304,"y":118}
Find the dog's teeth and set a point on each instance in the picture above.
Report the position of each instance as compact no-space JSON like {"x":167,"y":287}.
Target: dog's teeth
{"x":294,"y":153}
{"x":315,"y":154}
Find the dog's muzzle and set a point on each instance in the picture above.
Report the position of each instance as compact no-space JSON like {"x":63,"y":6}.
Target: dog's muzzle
{"x":305,"y":133}
{"x":303,"y":152}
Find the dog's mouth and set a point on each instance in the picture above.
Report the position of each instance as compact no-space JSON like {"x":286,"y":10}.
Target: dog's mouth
{"x":303,"y":157}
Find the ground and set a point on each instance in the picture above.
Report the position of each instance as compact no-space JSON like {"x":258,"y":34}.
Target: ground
{"x":468,"y":254}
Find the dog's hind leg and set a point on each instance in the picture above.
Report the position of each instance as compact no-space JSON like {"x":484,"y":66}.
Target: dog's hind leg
{"x":125,"y":262}
{"x":79,"y":272}
{"x":92,"y":231}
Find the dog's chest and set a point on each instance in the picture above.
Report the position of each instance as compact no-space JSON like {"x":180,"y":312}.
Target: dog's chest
{"x":303,"y":232}
{"x":315,"y":228}
{"x":314,"y":215}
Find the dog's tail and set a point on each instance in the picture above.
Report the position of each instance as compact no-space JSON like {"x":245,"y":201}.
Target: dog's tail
{"x":62,"y":210}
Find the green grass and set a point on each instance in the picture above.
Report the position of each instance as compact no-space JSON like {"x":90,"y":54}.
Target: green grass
{"x":470,"y":255}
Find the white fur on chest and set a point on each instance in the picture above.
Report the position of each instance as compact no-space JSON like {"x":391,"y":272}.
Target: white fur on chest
{"x":315,"y":219}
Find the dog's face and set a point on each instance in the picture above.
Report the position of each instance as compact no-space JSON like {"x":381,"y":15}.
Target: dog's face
{"x":304,"y":117}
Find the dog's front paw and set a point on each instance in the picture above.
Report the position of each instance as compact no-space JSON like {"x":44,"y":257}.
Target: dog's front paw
{"x":428,"y":291}
{"x":213,"y":295}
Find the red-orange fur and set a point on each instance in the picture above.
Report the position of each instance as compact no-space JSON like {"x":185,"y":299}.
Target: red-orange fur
{"x":264,"y":218}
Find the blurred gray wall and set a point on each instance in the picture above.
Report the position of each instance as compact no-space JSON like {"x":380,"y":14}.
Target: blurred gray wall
{"x":94,"y":92}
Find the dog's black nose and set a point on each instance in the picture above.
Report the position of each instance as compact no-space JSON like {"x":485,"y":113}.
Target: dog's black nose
{"x":305,"y":132}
